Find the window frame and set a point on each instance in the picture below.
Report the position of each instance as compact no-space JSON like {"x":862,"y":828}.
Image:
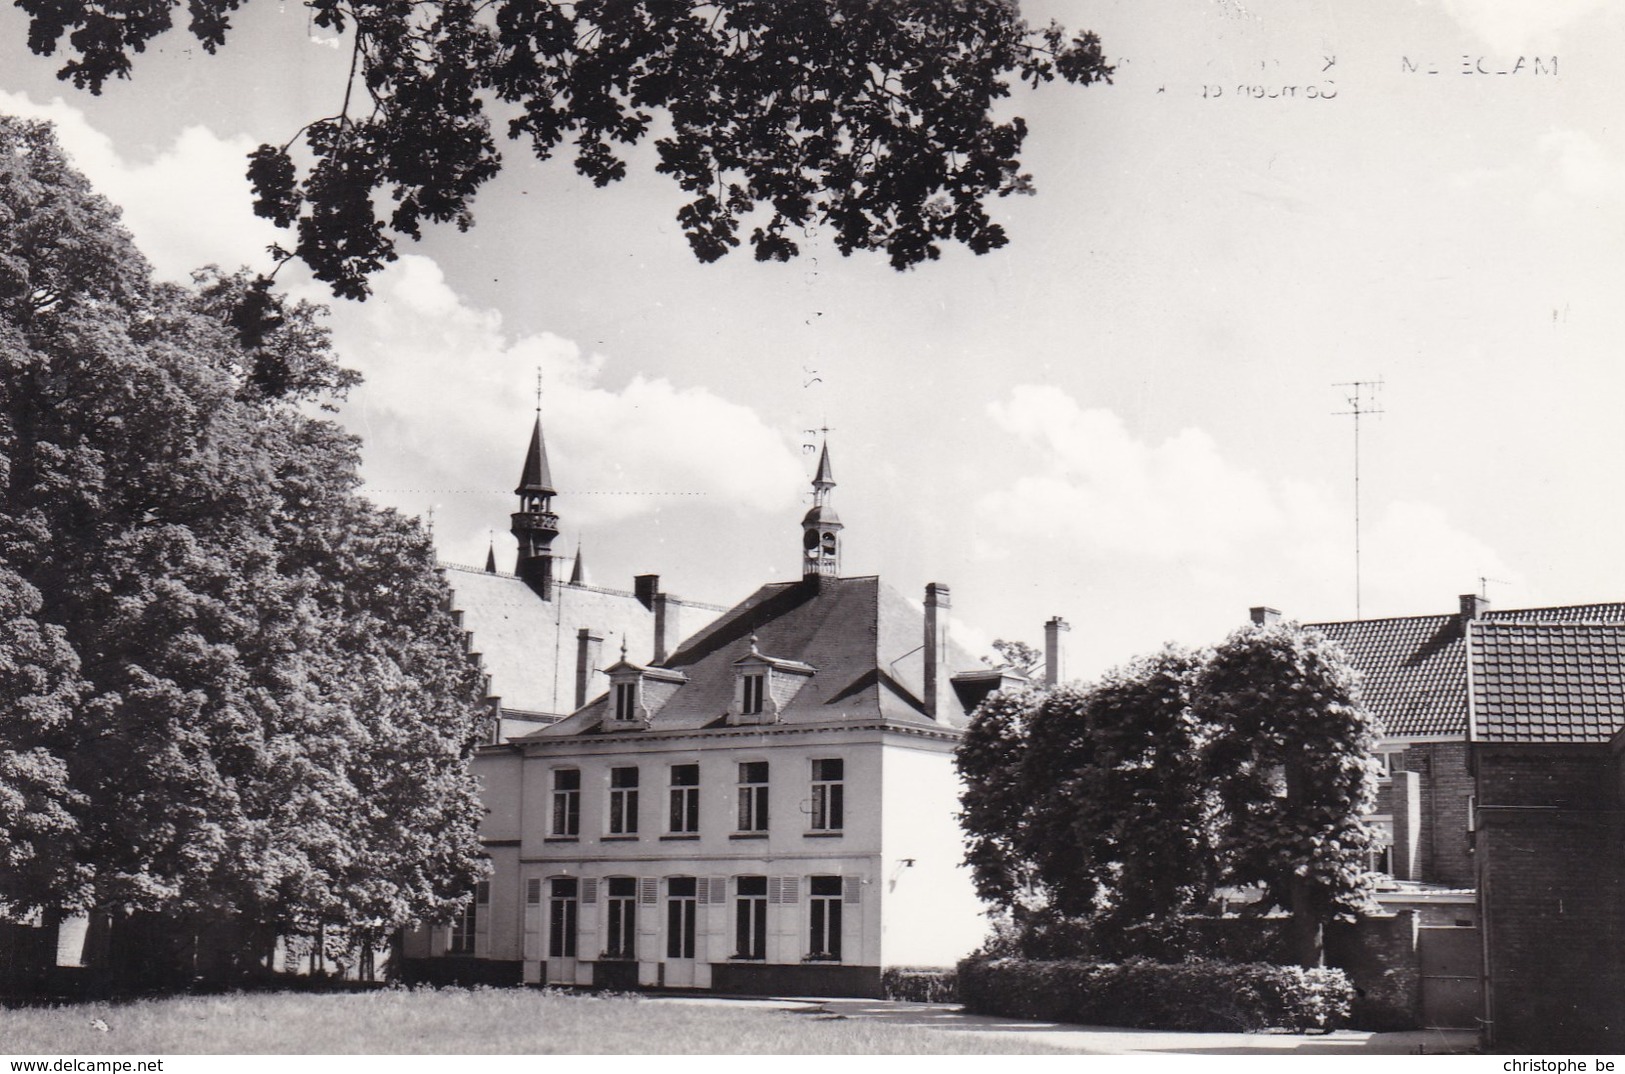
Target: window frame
{"x":623,"y":801}
{"x":566,"y":821}
{"x":753,"y":796}
{"x":825,"y":918}
{"x":563,"y":917}
{"x":683,"y":814}
{"x":750,"y":919}
{"x":828,"y":797}
{"x":621,"y":918}
{"x":682,"y":917}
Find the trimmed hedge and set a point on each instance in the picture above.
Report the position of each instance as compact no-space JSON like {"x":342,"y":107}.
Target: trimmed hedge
{"x":1196,"y":995}
{"x":921,"y":985}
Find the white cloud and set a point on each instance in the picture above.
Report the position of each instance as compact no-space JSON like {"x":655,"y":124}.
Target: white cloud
{"x":448,"y":400}
{"x":188,"y":207}
{"x":1097,"y":501}
{"x":1518,"y":25}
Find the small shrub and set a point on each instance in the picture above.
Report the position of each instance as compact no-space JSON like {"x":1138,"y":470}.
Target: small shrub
{"x":921,"y":984}
{"x":1195,"y":995}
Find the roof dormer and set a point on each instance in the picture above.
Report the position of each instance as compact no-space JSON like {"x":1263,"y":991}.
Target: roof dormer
{"x":764,"y":685}
{"x":637,"y":693}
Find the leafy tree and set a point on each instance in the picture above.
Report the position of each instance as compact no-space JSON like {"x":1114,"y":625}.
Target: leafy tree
{"x":872,"y":118}
{"x":240,"y":694}
{"x":1130,"y":800}
{"x":1293,"y":763}
{"x":1015,"y":654}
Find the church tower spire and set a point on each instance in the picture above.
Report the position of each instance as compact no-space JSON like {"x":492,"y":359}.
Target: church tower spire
{"x":821,"y":527}
{"x":534,"y":524}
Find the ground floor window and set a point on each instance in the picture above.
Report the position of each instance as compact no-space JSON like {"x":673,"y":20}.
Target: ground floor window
{"x":561,"y":928}
{"x":824,"y":941}
{"x":465,"y":926}
{"x":681,"y":905}
{"x":623,"y":918}
{"x":750,"y":918}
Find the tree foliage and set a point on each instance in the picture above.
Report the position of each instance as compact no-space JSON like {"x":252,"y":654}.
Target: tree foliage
{"x":1135,"y":798}
{"x":231,"y":685}
{"x":874,"y":119}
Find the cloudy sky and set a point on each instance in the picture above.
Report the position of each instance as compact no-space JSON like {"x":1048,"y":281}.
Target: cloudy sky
{"x":1127,"y":417}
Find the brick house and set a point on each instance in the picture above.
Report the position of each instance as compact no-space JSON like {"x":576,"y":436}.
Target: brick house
{"x":1503,"y":738}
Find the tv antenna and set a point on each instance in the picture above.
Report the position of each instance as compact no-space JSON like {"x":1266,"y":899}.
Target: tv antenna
{"x":1484,"y":585}
{"x":1362,"y":401}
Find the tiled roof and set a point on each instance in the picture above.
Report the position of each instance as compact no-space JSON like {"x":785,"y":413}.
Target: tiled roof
{"x":861,"y":637}
{"x":1415,"y":669}
{"x":1547,"y":682}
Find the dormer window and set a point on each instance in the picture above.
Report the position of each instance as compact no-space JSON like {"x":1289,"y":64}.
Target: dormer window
{"x":754,"y":686}
{"x":626,"y":700}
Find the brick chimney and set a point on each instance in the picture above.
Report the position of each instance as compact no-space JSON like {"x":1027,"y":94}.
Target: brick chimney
{"x":1473,"y":606}
{"x":667,"y":633}
{"x":589,"y":644}
{"x":644,"y":587}
{"x":1262,"y":616}
{"x":1054,"y":659}
{"x":935,"y":651}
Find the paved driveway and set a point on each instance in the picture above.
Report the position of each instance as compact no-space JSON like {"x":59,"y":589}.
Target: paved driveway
{"x":1105,"y":1040}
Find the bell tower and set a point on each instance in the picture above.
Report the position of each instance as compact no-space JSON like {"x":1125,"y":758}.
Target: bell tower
{"x":534,"y":524}
{"x":821,"y":527}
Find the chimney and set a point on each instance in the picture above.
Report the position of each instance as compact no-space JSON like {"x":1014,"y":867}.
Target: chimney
{"x":936,"y":646}
{"x":1053,"y":661}
{"x":588,"y":648}
{"x":644,"y":587}
{"x":666,"y":631}
{"x":1262,"y":616}
{"x":1473,"y":606}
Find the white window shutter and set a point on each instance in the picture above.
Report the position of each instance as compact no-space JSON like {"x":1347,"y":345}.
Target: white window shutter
{"x":589,"y":891}
{"x":852,"y":889}
{"x":533,"y":892}
{"x":533,"y":920}
{"x":789,"y":889}
{"x":719,"y":890}
{"x":648,"y":890}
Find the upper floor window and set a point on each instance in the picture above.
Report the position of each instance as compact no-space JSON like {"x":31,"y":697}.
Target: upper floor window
{"x":828,"y":776}
{"x":753,"y":796}
{"x":685,"y":798}
{"x":566,"y":801}
{"x":623,"y":801}
{"x":1391,"y":761}
{"x":754,"y":686}
{"x":626,"y":701}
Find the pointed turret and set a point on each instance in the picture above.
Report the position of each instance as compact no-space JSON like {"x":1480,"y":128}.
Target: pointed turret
{"x":491,"y":558}
{"x":821,"y":527}
{"x":578,"y":573}
{"x":534,"y":524}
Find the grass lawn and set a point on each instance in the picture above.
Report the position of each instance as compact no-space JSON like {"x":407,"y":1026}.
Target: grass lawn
{"x":522,"y":1021}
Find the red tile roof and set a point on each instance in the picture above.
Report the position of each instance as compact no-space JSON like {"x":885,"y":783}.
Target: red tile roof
{"x":1547,"y":682}
{"x":1415,"y":669}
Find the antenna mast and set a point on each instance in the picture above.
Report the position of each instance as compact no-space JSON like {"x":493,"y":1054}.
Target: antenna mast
{"x":1362,"y":400}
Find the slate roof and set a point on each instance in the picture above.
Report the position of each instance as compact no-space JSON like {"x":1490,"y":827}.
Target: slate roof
{"x":1415,"y":668}
{"x":861,"y":637}
{"x":1547,"y":682}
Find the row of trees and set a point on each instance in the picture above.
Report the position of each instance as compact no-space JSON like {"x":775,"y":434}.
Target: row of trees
{"x":229,"y":687}
{"x":1136,"y":798}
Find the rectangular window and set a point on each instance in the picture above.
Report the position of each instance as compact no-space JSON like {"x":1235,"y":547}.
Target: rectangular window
{"x":623,"y":918}
{"x":465,"y":926}
{"x":750,"y":918}
{"x":561,"y":918}
{"x":753,"y":796}
{"x":754,"y":688}
{"x":681,"y":906}
{"x":824,"y":942}
{"x":1380,"y":856}
{"x":685,"y":798}
{"x":827,"y":805}
{"x":623,"y":801}
{"x":626,"y":700}
{"x":567,"y":801}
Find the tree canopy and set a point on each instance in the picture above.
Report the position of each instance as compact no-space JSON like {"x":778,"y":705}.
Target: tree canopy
{"x":874,"y":119}
{"x":1136,"y":798}
{"x":229,"y":685}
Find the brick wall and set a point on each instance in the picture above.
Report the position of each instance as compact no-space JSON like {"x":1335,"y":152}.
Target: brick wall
{"x":1445,"y":855}
{"x":1552,"y":887}
{"x":1380,"y":956}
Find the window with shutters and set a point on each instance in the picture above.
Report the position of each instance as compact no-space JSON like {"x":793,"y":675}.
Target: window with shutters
{"x":566,"y":801}
{"x":685,"y":798}
{"x":753,"y":796}
{"x":824,"y":940}
{"x":623,"y":801}
{"x":828,"y":776}
{"x":562,"y":917}
{"x":750,"y":917}
{"x":465,"y":926}
{"x":622,"y":910}
{"x":682,"y":904}
{"x":754,"y":687}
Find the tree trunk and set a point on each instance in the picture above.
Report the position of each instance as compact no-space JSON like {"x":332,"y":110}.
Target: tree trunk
{"x":1308,"y":938}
